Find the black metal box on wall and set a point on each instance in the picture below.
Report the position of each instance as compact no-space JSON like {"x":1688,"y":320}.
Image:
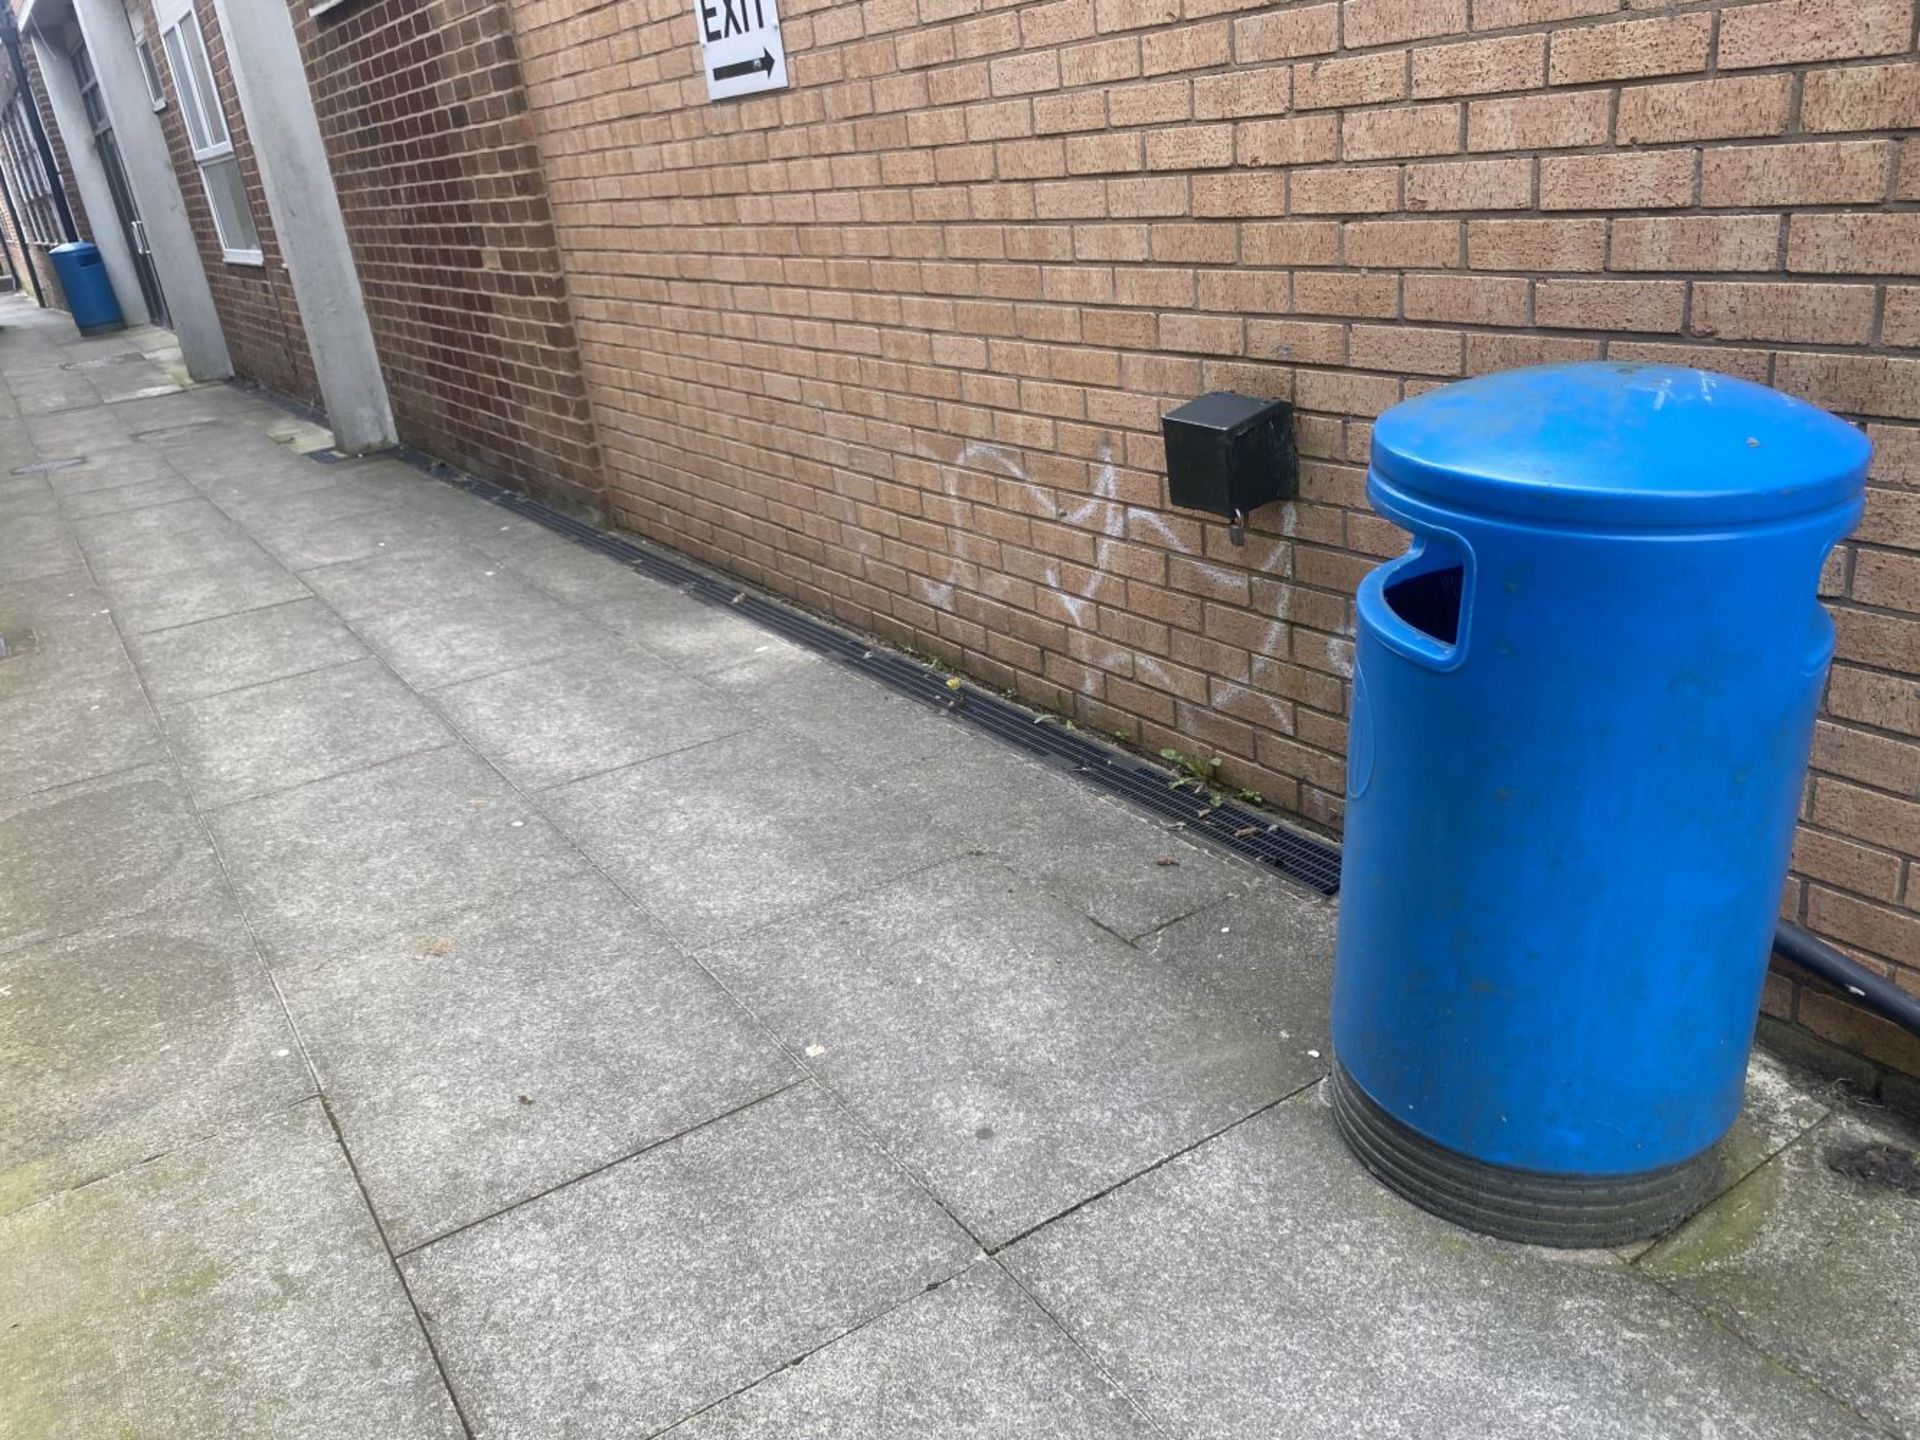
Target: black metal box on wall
{"x":1229,"y":454}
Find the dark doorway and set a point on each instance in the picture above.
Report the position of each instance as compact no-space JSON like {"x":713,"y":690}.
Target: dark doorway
{"x":116,"y":173}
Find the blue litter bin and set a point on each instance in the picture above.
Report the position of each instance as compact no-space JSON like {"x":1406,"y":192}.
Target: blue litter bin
{"x":1582,"y":707}
{"x":89,"y":293}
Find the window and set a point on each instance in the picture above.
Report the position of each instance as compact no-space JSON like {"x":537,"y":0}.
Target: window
{"x":212,"y":146}
{"x":31,"y":184}
{"x":156,"y":92}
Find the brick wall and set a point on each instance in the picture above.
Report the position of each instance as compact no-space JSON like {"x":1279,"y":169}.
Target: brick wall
{"x":255,"y":303}
{"x":895,"y":342}
{"x":37,"y":253}
{"x":432,"y":152}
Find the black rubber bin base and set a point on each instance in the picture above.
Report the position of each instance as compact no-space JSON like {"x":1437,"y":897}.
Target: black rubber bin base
{"x":1574,"y":1212}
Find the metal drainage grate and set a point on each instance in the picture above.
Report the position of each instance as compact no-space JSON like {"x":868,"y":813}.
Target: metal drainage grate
{"x":42,"y":467}
{"x":1239,"y":829}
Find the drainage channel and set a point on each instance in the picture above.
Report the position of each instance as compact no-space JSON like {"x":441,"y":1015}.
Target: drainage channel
{"x":1234,"y":827}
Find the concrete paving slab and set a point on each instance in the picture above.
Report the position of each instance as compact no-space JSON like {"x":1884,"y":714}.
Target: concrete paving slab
{"x":694,"y":635}
{"x":1129,"y":872}
{"x":236,"y":1288}
{"x":1269,"y":950}
{"x":97,"y":851}
{"x":59,"y":632}
{"x":393,"y":528}
{"x":392,"y":581}
{"x":146,"y":603}
{"x":137,"y":496}
{"x":590,"y":711}
{"x":160,"y":538}
{"x":972,"y":1359}
{"x":455,"y":638}
{"x":58,"y":734}
{"x":1815,"y":1257}
{"x":32,"y":546}
{"x":333,"y":867}
{"x":332,"y":497}
{"x":741,"y":831}
{"x":230,"y":652}
{"x":864,"y":726}
{"x":497,"y":1052}
{"x":575,"y":575}
{"x":133,"y":1038}
{"x":1264,"y":1285}
{"x":115,"y":465}
{"x":1008,"y":1052}
{"x":623,"y":1303}
{"x":243,"y":743}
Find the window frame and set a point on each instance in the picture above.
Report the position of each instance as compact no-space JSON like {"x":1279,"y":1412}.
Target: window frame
{"x":150,"y":72}
{"x":200,"y":113}
{"x":39,"y":217}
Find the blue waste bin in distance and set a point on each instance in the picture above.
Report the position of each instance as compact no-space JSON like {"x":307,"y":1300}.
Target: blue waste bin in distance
{"x":83,"y":276}
{"x":1582,"y":707}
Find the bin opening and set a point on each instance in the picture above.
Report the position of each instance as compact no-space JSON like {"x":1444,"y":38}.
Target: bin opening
{"x":1430,"y":601}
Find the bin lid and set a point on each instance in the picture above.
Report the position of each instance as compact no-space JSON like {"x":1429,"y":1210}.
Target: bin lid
{"x":73,"y":247}
{"x":1620,"y":443}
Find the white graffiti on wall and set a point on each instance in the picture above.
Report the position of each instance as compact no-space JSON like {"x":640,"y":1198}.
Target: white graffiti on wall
{"x":1102,"y":512}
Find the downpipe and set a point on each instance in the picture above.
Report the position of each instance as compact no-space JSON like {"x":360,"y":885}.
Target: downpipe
{"x":1869,"y":989}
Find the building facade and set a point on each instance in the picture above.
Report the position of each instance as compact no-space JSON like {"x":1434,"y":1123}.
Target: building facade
{"x":893,"y":341}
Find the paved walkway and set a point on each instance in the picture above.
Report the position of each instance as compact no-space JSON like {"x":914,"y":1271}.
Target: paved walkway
{"x":452,"y":985}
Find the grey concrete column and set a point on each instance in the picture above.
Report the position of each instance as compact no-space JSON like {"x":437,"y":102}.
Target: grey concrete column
{"x":272,"y":81}
{"x":89,"y":176}
{"x":156,"y":193}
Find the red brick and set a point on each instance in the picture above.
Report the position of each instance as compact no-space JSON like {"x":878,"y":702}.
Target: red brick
{"x":1540,"y":122}
{"x":1345,"y":292}
{"x":1301,"y":342}
{"x":1630,"y":50}
{"x":1402,"y":244}
{"x":1134,"y":14}
{"x":1704,"y":109}
{"x":1386,"y":22}
{"x":1655,"y":180}
{"x":1297,"y":140}
{"x":1575,"y":245}
{"x":1873,"y":244}
{"x":1470,"y":185}
{"x":1236,"y":94}
{"x":1696,"y":242}
{"x":1867,"y":815}
{"x":1830,"y":173}
{"x":1404,"y":348}
{"x":1290,"y":242}
{"x":1369,"y":189}
{"x":1479,"y":67}
{"x":1399,"y":132}
{"x":1789,"y":31}
{"x":1641,"y":305}
{"x":1854,"y":384}
{"x":1287,"y":34}
{"x":1900,"y":318}
{"x":1356,"y":80}
{"x":1192,"y":47}
{"x":1877,"y":760}
{"x":1466,"y":299}
{"x":1505,"y":14}
{"x":1859,"y":868}
{"x":1863,"y":97}
{"x":1803,"y":313}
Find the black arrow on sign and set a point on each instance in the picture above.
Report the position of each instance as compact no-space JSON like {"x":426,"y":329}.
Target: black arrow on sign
{"x":745,"y":67}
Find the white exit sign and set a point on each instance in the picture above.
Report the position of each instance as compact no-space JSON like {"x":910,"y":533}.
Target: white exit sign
{"x":740,"y":47}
